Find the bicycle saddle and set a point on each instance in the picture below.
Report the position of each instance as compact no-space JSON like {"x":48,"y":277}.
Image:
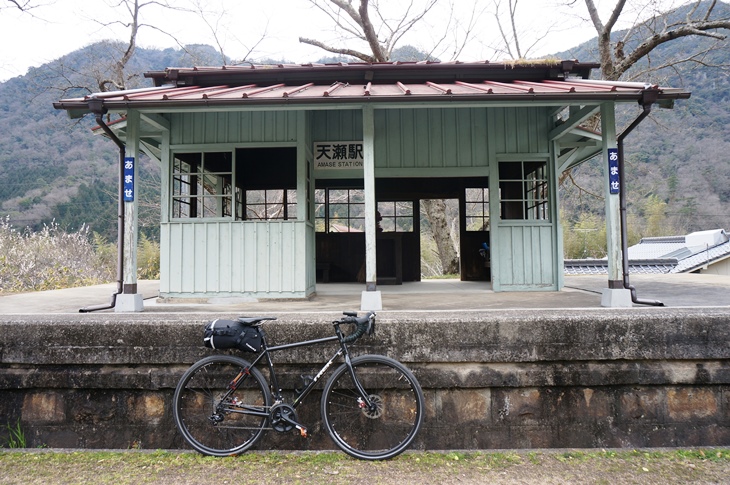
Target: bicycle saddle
{"x":254,"y":321}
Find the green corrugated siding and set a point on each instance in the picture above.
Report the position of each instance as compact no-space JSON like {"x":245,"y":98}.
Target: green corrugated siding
{"x":336,"y":125}
{"x":261,"y":259}
{"x":521,"y":130}
{"x":431,"y":138}
{"x":233,"y":127}
{"x":526,"y":259}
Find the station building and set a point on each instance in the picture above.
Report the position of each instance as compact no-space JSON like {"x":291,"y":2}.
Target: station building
{"x":277,"y":177}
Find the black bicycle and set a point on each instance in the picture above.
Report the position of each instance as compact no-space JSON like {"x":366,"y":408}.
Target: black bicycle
{"x":372,"y":406}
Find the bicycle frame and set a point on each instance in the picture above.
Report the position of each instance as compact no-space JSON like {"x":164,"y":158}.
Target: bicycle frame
{"x":274,"y":383}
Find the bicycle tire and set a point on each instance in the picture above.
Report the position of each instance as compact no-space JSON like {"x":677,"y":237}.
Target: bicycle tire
{"x":226,"y":431}
{"x":373,"y":434}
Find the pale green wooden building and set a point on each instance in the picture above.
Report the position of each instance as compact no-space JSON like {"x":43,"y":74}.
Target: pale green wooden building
{"x":277,"y":177}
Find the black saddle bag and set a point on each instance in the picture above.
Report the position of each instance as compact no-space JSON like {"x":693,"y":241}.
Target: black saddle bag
{"x":230,"y":334}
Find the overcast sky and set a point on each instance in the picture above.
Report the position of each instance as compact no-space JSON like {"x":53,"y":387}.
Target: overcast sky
{"x":58,"y":27}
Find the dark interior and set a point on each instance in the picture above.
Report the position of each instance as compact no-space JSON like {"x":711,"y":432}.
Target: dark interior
{"x":341,"y":255}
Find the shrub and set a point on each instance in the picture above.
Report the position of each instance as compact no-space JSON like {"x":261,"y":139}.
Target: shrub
{"x":48,"y":259}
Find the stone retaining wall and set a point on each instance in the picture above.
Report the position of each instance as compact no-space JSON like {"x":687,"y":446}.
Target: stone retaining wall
{"x":510,"y":379}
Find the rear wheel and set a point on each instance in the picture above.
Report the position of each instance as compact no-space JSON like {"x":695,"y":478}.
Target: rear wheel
{"x":215,"y":420}
{"x":387,"y":427}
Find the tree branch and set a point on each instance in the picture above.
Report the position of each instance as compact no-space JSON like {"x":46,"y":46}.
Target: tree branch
{"x":702,"y":28}
{"x":335,"y":50}
{"x":370,"y":35}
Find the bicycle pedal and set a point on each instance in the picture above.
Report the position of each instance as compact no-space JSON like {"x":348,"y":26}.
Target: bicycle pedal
{"x":302,"y":431}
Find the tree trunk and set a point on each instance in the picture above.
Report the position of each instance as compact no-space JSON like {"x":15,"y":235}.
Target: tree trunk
{"x":436,"y":213}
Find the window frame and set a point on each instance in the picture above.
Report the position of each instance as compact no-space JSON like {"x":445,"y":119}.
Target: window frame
{"x":198,"y":203}
{"x":481,"y":206}
{"x":534,"y":200}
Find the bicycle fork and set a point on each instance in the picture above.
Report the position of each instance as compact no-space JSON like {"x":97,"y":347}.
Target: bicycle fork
{"x":364,"y":401}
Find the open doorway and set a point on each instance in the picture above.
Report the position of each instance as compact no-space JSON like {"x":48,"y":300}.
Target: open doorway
{"x":406,"y":250}
{"x":439,"y":238}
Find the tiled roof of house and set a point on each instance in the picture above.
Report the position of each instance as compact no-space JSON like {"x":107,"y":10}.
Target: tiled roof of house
{"x":672,"y":254}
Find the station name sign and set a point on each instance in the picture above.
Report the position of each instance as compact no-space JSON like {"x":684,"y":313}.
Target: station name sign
{"x":614,"y":183}
{"x":338,"y":155}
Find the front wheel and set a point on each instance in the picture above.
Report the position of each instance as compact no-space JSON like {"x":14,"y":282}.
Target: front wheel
{"x":386,"y":427}
{"x":221,"y":405}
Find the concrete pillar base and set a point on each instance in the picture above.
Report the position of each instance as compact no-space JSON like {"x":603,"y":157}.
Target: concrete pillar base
{"x":128,"y":302}
{"x":371,"y":301}
{"x":616,"y":298}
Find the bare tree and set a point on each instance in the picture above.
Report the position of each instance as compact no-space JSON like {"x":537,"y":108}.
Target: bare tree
{"x":22,"y":5}
{"x":133,"y":22}
{"x":617,"y":58}
{"x":369,"y":25}
{"x":215,"y":19}
{"x":510,"y":32}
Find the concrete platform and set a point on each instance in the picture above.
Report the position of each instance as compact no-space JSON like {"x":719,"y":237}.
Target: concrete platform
{"x":580,"y":292}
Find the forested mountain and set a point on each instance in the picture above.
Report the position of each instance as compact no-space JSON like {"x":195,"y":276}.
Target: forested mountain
{"x":678,"y":160}
{"x":51,"y":167}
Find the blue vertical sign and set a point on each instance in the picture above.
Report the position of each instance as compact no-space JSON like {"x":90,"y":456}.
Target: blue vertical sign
{"x":614,"y":184}
{"x":129,"y":179}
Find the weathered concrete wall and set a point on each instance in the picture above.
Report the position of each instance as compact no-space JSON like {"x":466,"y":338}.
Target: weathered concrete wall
{"x":510,"y":379}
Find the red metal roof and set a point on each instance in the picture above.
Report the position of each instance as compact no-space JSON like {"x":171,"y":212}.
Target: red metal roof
{"x":391,"y":82}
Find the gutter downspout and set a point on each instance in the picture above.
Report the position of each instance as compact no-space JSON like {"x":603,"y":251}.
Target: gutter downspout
{"x":647,"y":99}
{"x":96,"y":106}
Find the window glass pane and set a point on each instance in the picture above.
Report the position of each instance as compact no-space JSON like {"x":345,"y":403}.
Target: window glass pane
{"x":386,"y":209}
{"x":210,"y":206}
{"x":404,"y":209}
{"x":525,"y":197}
{"x":357,"y":195}
{"x":338,"y":225}
{"x":338,"y":211}
{"x":319,"y":196}
{"x":255,"y":211}
{"x":357,"y":225}
{"x":338,"y":195}
{"x":254,"y":197}
{"x":357,"y":210}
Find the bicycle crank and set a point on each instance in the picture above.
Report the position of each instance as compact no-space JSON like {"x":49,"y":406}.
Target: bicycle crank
{"x":283,"y":418}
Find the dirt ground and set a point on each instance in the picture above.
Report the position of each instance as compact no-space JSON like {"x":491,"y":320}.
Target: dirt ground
{"x":418,"y":468}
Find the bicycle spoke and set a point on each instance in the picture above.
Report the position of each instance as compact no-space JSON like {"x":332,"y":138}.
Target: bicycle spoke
{"x":208,"y":424}
{"x":386,"y":427}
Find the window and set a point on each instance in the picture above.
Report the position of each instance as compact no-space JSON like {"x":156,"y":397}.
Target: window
{"x":343,"y":210}
{"x":260,"y":185}
{"x":524,"y":190}
{"x":268,"y":176}
{"x":271,"y":204}
{"x":477,"y":209}
{"x":202,"y":185}
{"x":339,"y":210}
{"x":396,"y":216}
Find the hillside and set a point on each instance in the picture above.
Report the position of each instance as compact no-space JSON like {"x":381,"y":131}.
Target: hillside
{"x":51,"y":167}
{"x":678,"y":157}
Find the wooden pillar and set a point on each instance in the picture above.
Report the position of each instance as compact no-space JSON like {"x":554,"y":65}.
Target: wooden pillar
{"x":130,"y":300}
{"x":615,"y":295}
{"x":371,"y":298}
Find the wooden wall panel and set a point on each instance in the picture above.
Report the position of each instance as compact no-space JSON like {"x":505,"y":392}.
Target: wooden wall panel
{"x":233,"y":127}
{"x":526,"y":259}
{"x":235,"y":259}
